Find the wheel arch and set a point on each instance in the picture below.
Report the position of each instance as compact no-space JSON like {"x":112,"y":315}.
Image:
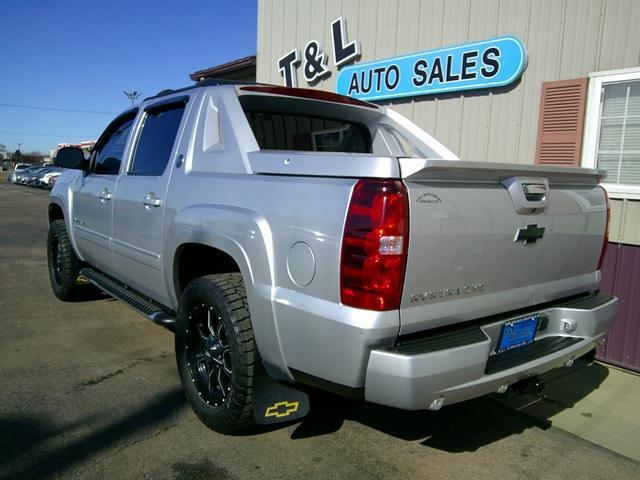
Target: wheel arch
{"x":230,"y":240}
{"x":55,"y":212}
{"x":192,"y":260}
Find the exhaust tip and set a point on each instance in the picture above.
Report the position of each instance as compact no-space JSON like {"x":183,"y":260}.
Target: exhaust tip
{"x":436,"y":404}
{"x":503,"y":388}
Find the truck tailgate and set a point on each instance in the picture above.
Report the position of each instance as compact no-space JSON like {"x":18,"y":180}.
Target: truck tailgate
{"x":486,"y":238}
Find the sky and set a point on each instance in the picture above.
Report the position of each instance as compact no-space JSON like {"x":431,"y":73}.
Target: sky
{"x":81,"y":56}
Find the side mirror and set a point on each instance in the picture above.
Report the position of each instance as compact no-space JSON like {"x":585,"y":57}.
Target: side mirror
{"x":71,"y":157}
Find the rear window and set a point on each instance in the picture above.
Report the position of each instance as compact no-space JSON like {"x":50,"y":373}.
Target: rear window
{"x":283,"y":131}
{"x":292,"y":123}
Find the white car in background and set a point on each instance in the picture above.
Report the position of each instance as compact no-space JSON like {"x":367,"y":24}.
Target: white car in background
{"x":19,"y":168}
{"x":45,"y":181}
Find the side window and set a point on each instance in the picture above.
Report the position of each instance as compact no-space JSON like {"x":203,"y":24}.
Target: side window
{"x":156,"y":140}
{"x":109,"y":151}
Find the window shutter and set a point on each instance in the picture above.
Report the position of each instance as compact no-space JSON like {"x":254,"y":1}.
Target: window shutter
{"x":562,"y":106}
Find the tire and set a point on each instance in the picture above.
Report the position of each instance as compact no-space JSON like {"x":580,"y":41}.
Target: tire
{"x":64,"y":266}
{"x":215,"y":351}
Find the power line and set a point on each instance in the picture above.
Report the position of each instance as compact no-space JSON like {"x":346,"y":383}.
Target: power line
{"x":32,"y":107}
{"x":3,"y":132}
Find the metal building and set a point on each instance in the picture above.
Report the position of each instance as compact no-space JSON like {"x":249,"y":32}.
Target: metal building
{"x":576,"y":102}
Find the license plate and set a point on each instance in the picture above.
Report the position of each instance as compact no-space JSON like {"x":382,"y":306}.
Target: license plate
{"x":518,"y":333}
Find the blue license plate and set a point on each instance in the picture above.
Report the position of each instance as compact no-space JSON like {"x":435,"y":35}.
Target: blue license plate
{"x":518,"y":333}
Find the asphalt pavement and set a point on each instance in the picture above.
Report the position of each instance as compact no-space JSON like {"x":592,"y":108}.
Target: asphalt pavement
{"x":90,"y":390}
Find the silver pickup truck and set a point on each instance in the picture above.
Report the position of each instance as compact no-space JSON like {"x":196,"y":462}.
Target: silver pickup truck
{"x":296,"y":238}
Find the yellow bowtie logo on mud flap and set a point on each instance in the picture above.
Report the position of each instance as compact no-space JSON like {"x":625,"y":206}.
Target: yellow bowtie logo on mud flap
{"x":282,"y":409}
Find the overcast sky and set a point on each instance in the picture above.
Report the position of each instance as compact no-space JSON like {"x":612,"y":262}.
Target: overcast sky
{"x":81,"y":55}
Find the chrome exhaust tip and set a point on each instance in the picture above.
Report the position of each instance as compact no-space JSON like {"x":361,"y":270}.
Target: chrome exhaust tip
{"x":436,"y":404}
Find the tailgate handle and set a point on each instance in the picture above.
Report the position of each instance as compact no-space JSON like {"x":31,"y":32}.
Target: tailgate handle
{"x":534,"y":192}
{"x":530,"y":196}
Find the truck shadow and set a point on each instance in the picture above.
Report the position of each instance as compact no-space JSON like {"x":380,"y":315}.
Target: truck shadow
{"x":462,"y":427}
{"x":35,"y":447}
{"x":25,"y":441}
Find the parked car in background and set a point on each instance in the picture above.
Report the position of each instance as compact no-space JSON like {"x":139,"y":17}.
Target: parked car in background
{"x":36,"y":180}
{"x":20,"y":177}
{"x":36,"y":176}
{"x":42,"y":181}
{"x":19,"y":168}
{"x":30,"y":177}
{"x":52,"y":182}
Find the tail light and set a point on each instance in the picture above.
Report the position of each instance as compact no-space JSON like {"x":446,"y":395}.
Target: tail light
{"x":605,"y":241}
{"x":374,"y":245}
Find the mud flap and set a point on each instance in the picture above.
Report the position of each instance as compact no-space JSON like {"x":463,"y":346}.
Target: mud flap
{"x":275,"y":402}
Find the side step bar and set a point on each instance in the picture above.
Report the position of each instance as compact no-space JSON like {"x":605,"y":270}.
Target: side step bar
{"x":145,"y":306}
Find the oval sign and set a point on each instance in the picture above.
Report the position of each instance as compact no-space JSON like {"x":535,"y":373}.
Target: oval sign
{"x":488,"y":64}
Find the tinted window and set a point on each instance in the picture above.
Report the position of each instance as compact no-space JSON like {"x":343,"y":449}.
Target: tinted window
{"x":156,"y":140}
{"x":110,"y":150}
{"x":277,"y":131}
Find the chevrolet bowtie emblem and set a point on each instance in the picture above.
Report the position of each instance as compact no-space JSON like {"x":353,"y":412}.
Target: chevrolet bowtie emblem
{"x":281,"y":409}
{"x":529,"y":234}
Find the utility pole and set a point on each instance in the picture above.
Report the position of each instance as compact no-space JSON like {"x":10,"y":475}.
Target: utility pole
{"x":133,"y":96}
{"x":19,"y":147}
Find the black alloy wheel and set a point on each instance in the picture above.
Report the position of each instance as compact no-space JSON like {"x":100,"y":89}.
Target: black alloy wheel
{"x":208,"y":354}
{"x":215,"y":351}
{"x":56,"y":260}
{"x":64,"y":266}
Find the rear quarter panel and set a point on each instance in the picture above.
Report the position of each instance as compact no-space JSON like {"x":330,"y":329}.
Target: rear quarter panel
{"x":285,"y":233}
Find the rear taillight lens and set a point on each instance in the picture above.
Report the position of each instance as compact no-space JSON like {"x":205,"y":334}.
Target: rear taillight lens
{"x":605,"y":241}
{"x":374,"y":245}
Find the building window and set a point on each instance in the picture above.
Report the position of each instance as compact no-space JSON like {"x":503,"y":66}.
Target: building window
{"x":612,"y":130}
{"x":618,"y":150}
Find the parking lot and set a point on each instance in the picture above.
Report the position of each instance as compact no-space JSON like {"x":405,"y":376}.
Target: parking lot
{"x":90,"y":390}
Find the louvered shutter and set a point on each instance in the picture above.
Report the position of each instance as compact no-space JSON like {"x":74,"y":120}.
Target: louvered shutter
{"x":562,"y":106}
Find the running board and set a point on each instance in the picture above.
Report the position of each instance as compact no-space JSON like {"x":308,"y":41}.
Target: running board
{"x":145,"y":306}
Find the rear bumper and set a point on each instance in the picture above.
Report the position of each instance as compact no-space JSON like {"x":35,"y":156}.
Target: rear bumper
{"x":460,"y":364}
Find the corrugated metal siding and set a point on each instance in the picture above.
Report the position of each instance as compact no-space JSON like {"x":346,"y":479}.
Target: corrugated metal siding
{"x":564,"y":38}
{"x":625,"y":221}
{"x":621,"y":277}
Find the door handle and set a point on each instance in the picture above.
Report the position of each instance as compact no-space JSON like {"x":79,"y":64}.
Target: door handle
{"x":104,"y":195}
{"x":150,"y":200}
